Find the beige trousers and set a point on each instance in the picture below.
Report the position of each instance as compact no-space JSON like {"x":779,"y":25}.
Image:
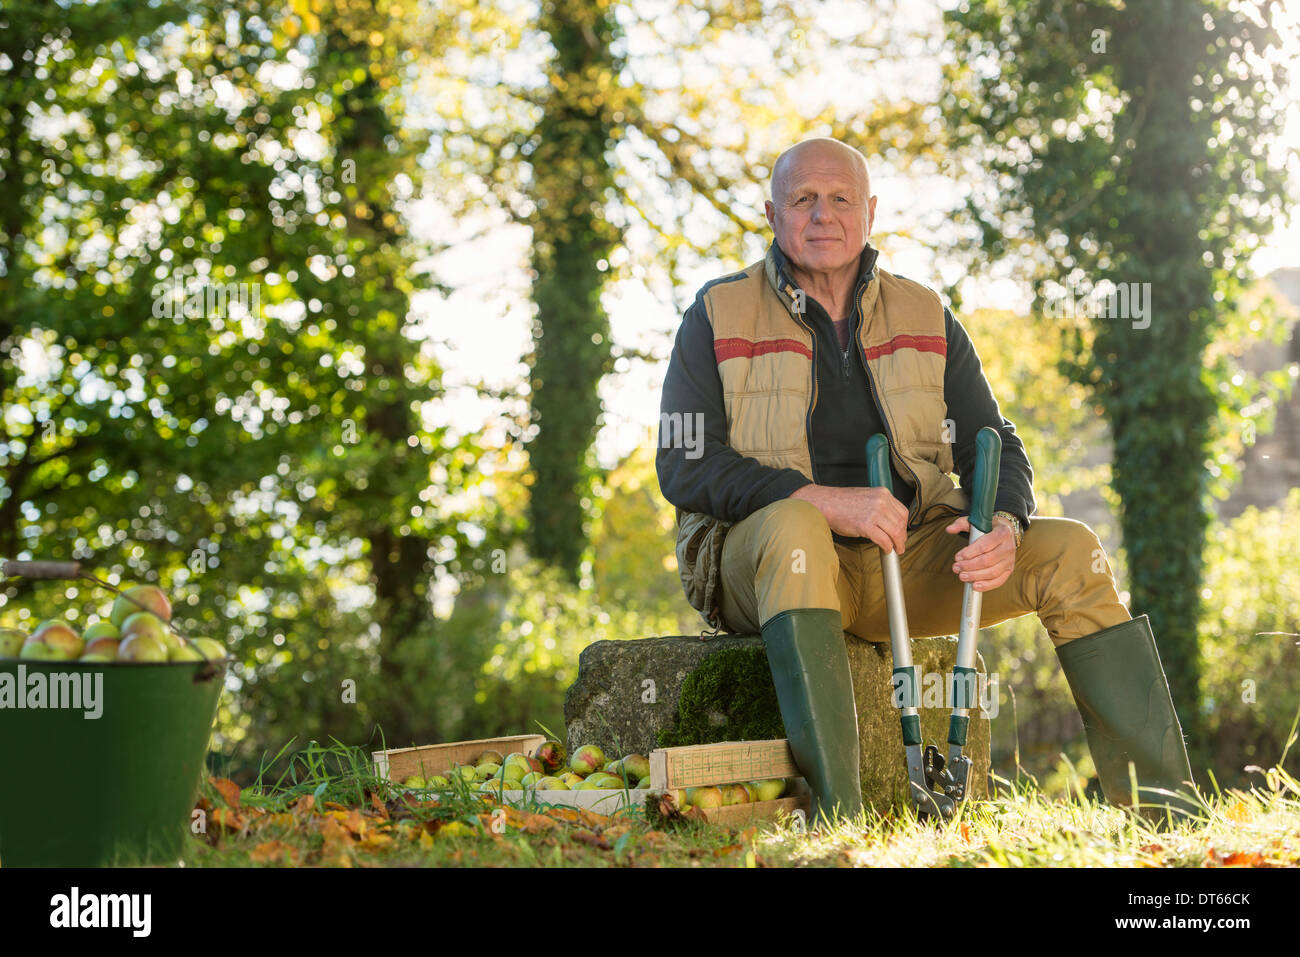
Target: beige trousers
{"x":783,"y":557}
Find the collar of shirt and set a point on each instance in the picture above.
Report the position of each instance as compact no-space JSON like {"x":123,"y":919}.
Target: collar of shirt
{"x":866,"y":268}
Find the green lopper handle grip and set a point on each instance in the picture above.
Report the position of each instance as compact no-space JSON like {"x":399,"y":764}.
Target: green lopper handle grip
{"x":988,"y":457}
{"x":878,"y":462}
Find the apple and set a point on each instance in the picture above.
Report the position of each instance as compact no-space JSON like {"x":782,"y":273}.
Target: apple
{"x":145,"y":622}
{"x":184,"y":652}
{"x":735,"y":794}
{"x":512,"y":772}
{"x":39,"y":651}
{"x":643,"y":784}
{"x":141,"y":648}
{"x":100,"y":647}
{"x":212,"y":649}
{"x":462,"y":771}
{"x":489,"y":757}
{"x":605,"y":781}
{"x":436,"y":781}
{"x":552,"y":755}
{"x":707,"y":797}
{"x":11,"y":642}
{"x":140,"y":598}
{"x":486,"y":770}
{"x":551,"y":784}
{"x":571,"y":780}
{"x":100,"y":629}
{"x":681,"y":800}
{"x":522,"y":761}
{"x":587,"y":759}
{"x":414,"y":781}
{"x":530,"y":779}
{"x":768,"y":790}
{"x":62,"y":640}
{"x":638,"y":766}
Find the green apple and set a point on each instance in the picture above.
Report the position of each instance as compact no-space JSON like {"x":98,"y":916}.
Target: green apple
{"x":551,"y":784}
{"x":141,"y":598}
{"x":605,"y":781}
{"x":681,"y":799}
{"x":464,"y":772}
{"x":523,"y":761}
{"x":552,"y":756}
{"x":707,"y":797}
{"x":212,"y":649}
{"x":11,"y":642}
{"x":184,"y":652}
{"x":146,"y":622}
{"x":99,"y":658}
{"x":100,"y":629}
{"x":144,"y":647}
{"x":768,"y":790}
{"x":486,"y":770}
{"x":100,"y":648}
{"x":530,"y":779}
{"x":587,"y":759}
{"x":489,"y":757}
{"x":571,"y":780}
{"x":512,"y":772}
{"x":62,"y":639}
{"x":414,"y":781}
{"x":643,"y":784}
{"x":637,"y":765}
{"x":436,"y":781}
{"x":39,"y":651}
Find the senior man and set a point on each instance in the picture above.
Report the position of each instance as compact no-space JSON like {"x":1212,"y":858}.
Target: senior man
{"x":778,"y":376}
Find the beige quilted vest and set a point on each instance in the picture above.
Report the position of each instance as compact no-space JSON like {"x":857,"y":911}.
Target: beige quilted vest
{"x":763,"y":348}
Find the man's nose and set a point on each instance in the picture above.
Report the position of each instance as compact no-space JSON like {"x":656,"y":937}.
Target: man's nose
{"x":820,"y":210}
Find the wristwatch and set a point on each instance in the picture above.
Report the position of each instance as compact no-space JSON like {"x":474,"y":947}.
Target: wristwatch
{"x":1016,"y":528}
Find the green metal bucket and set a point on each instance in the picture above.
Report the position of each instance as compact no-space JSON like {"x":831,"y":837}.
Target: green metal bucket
{"x":117,"y":789}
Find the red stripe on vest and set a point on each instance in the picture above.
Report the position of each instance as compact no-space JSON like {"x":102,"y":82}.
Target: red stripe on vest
{"x":937,"y":344}
{"x":724,"y":349}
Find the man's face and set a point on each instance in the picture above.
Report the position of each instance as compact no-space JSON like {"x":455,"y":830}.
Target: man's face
{"x":821,"y":210}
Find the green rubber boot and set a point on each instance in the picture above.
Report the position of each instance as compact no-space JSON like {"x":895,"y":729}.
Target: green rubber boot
{"x":1120,"y":688}
{"x":810,"y":668}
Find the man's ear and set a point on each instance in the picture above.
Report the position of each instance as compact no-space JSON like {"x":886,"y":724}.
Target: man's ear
{"x":770,"y":211}
{"x":871,"y":213}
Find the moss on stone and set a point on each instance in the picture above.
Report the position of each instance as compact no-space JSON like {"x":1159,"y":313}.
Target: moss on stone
{"x":736,"y":685}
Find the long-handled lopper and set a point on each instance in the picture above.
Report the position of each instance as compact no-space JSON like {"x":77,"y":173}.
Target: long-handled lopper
{"x":937,"y":785}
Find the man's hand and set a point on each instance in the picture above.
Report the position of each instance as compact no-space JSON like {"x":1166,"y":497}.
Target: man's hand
{"x":871,"y":513}
{"x":988,"y":562}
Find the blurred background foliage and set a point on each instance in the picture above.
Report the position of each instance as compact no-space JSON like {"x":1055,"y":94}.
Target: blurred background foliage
{"x":287,"y":470}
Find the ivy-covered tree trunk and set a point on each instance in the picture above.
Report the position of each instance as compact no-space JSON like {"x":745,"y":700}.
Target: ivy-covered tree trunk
{"x":1125,"y":139}
{"x":572,"y":240}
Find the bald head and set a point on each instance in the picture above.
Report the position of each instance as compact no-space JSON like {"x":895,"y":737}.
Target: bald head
{"x":818,"y":152}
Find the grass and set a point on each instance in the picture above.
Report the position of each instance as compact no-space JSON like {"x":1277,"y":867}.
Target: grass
{"x":326,"y":807}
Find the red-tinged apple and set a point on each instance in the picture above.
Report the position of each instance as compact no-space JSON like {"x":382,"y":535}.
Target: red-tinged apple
{"x":553,"y":756}
{"x":707,"y":797}
{"x":146,"y":623}
{"x":140,"y":598}
{"x":61,"y":639}
{"x":637,"y":766}
{"x":100,"y":648}
{"x":587,"y":759}
{"x":142,"y":648}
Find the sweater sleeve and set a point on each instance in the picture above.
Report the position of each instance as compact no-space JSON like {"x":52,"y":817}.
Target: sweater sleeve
{"x":698,"y":471}
{"x":975,"y":408}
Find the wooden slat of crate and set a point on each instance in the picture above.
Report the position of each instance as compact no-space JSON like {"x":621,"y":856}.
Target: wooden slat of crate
{"x":757,"y":811}
{"x":398,"y":764}
{"x":727,"y":762}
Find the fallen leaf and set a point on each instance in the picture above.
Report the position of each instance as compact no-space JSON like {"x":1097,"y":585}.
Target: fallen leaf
{"x":305,"y":804}
{"x":1243,"y":859}
{"x":274,"y":852}
{"x":1239,"y":812}
{"x":228,"y":790}
{"x":592,"y":840}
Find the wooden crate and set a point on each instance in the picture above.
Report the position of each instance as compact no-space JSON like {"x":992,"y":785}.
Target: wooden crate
{"x":398,"y":764}
{"x":731,"y":762}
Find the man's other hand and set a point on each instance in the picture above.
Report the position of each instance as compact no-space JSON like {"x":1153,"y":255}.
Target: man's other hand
{"x":989,"y":561}
{"x":870,"y":513}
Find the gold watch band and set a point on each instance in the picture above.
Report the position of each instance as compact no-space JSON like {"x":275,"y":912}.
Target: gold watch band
{"x":1016,"y":528}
